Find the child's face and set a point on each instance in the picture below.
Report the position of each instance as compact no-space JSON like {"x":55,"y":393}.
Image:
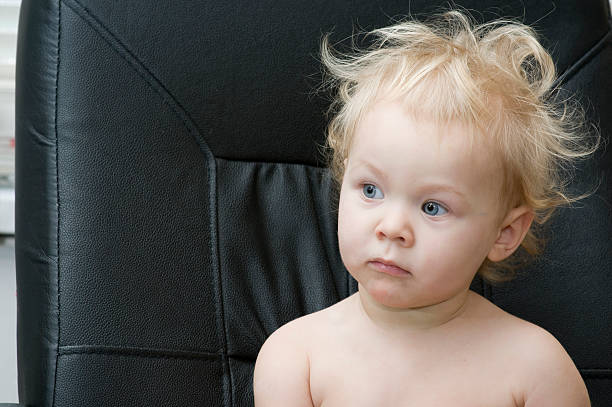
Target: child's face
{"x":394,"y":207}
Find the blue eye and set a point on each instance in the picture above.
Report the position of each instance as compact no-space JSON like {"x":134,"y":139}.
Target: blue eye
{"x":372,"y":191}
{"x":433,"y":209}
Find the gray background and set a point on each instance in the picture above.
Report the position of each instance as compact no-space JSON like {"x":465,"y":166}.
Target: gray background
{"x":8,"y":322}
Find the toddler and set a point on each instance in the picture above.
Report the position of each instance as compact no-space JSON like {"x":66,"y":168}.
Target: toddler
{"x":447,"y":147}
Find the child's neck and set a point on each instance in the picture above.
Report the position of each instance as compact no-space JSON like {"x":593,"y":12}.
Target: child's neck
{"x":396,"y":321}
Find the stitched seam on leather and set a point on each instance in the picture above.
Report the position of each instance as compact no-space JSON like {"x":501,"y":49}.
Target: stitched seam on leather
{"x":221,"y":320}
{"x":235,"y":160}
{"x":317,"y":176}
{"x":141,"y":69}
{"x":59,"y":30}
{"x":138,"y":352}
{"x":146,"y":74}
{"x":583,"y":60}
{"x":137,"y":355}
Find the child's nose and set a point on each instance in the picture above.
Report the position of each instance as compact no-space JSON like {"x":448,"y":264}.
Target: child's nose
{"x":397,"y":228}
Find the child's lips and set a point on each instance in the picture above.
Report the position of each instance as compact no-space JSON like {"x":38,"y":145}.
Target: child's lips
{"x":389,"y":267}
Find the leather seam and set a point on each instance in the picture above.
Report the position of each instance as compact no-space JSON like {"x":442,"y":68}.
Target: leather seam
{"x":57,"y":66}
{"x":139,"y":67}
{"x":138,"y":352}
{"x":584,"y":59}
{"x":135,"y":355}
{"x":234,"y":160}
{"x":221,"y":320}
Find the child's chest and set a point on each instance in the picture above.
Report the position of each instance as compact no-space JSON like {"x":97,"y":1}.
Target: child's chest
{"x":344,"y":376}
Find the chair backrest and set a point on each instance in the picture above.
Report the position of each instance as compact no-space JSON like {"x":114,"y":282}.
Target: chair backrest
{"x":173,"y":209}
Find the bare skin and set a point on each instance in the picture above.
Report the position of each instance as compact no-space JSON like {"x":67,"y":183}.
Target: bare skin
{"x":454,"y":364}
{"x":478,"y":358}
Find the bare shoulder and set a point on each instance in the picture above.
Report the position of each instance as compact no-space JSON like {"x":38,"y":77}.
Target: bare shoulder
{"x":548,"y":375}
{"x":282,"y":369}
{"x":553,"y":379}
{"x":544,"y":373}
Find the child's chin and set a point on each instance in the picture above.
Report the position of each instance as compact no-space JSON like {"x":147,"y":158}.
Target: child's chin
{"x":388,"y":295}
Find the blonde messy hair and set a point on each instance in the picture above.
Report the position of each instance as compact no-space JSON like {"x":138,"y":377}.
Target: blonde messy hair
{"x":495,"y":78}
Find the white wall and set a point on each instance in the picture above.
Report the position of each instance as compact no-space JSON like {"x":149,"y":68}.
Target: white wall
{"x":9,"y":13}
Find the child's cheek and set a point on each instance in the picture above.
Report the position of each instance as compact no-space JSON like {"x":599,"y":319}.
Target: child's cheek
{"x":346,"y":246}
{"x":350,"y":234}
{"x":347,"y":233}
{"x":434,"y":255}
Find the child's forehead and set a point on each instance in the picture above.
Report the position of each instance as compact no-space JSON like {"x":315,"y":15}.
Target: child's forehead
{"x":407,"y":143}
{"x":394,"y":116}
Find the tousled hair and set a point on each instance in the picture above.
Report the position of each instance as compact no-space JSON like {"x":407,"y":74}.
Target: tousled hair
{"x":495,"y":78}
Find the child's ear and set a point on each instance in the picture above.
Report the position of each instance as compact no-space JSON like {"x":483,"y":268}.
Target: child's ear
{"x":511,"y":233}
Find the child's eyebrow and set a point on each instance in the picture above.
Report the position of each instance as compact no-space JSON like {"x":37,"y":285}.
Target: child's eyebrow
{"x":441,"y":187}
{"x":372,"y":168}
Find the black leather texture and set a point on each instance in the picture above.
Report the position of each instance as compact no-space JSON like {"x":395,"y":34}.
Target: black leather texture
{"x":173,"y":208}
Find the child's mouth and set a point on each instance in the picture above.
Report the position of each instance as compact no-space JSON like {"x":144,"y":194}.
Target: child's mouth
{"x":389,"y":267}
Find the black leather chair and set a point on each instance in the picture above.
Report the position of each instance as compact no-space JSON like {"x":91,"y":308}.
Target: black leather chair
{"x":173,"y":209}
